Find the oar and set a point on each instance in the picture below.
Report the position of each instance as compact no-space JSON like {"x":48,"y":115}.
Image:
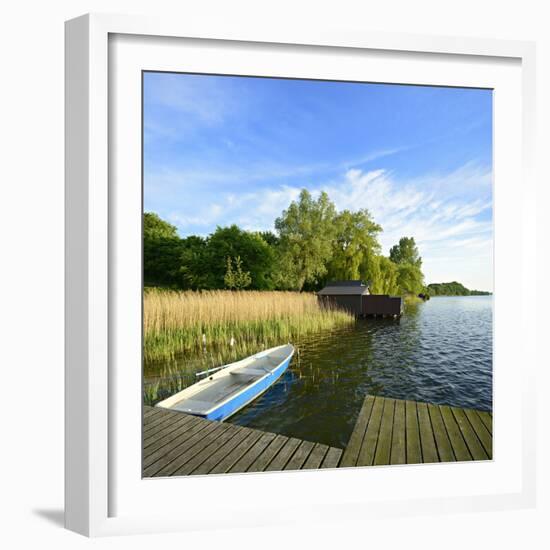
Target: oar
{"x":210,"y":370}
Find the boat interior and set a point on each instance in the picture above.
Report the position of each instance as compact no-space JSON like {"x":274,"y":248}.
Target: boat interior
{"x":229,"y":381}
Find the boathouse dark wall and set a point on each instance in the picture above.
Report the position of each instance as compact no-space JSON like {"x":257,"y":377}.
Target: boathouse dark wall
{"x":353,"y":296}
{"x":382,"y":304}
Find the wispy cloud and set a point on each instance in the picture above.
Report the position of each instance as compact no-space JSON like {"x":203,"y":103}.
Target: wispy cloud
{"x":195,"y":96}
{"x":450,"y":231}
{"x":263,"y":171}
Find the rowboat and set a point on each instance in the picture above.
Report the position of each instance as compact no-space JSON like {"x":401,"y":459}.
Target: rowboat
{"x":232,"y":387}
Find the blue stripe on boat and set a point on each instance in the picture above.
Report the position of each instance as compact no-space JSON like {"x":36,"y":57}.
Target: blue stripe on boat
{"x":239,"y":401}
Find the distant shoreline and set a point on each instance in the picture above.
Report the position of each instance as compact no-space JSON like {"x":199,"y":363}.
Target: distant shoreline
{"x":485,"y":294}
{"x":453,"y":289}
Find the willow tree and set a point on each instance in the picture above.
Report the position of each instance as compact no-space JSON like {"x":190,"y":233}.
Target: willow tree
{"x":355,"y":245}
{"x":386,"y":280}
{"x":410,"y":279}
{"x":306,"y":234}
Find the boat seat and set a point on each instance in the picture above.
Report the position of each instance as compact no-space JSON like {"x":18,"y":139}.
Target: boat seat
{"x":250,"y":371}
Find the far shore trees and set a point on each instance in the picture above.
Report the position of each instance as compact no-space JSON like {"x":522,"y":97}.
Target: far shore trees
{"x":453,"y":289}
{"x":311,"y":244}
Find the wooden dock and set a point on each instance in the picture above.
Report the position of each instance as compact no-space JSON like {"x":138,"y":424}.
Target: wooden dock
{"x":387,"y":431}
{"x":177,"y":444}
{"x":392,"y":431}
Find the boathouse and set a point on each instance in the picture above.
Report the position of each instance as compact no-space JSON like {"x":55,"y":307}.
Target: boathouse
{"x":346,"y":295}
{"x":383,"y":305}
{"x":354,"y":296}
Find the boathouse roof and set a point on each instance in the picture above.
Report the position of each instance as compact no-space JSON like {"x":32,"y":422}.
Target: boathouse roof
{"x":344,"y":288}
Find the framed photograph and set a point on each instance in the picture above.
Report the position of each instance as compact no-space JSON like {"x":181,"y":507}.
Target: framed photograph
{"x":288,"y":275}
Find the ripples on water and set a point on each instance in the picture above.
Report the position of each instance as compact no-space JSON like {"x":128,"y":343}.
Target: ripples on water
{"x":439,"y":352}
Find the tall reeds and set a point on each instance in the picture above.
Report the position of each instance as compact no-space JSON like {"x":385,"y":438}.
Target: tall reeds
{"x":180,"y":322}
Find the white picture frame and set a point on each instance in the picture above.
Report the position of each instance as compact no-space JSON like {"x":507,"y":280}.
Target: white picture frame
{"x":102,"y":497}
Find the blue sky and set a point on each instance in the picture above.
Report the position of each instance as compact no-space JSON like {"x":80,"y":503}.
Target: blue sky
{"x":220,"y":150}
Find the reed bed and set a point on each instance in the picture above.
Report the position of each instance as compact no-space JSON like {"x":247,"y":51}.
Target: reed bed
{"x":230,"y":323}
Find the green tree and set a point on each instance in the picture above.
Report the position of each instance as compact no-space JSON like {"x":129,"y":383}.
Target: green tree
{"x":269,"y":237}
{"x":236,"y":279}
{"x":306,"y":231}
{"x":194,"y":272}
{"x":409,"y":279}
{"x":256,"y":257}
{"x":453,"y":289}
{"x":406,"y":252}
{"x":386,"y":281}
{"x":162,"y":250}
{"x":354,"y":246}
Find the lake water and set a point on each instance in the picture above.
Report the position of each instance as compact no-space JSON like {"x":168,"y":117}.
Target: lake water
{"x":439,"y":352}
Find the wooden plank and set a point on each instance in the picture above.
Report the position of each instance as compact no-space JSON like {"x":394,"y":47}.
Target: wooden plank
{"x":172,"y":428}
{"x":183,"y":458}
{"x":481,"y":431}
{"x":444,"y":448}
{"x":474,"y":445}
{"x":161,"y":420}
{"x":368,"y":447}
{"x":158,"y":421}
{"x":412,"y":431}
{"x":316,"y":456}
{"x":169,"y":428}
{"x":252,"y":454}
{"x":149,"y":412}
{"x":298,"y":459}
{"x":217,"y":456}
{"x":227,"y":462}
{"x":487,"y":419}
{"x":283,"y":456}
{"x":427,"y":441}
{"x":162,"y":457}
{"x":460,"y":449}
{"x":269,"y":453}
{"x":398,"y":450}
{"x":152,"y":455}
{"x":383,"y":447}
{"x":168,"y":439}
{"x":354,"y":444}
{"x":154,"y":452}
{"x":332,"y":458}
{"x":207,"y":451}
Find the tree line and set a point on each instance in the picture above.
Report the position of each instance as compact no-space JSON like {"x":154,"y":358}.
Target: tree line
{"x":453,"y":289}
{"x":311,"y":243}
